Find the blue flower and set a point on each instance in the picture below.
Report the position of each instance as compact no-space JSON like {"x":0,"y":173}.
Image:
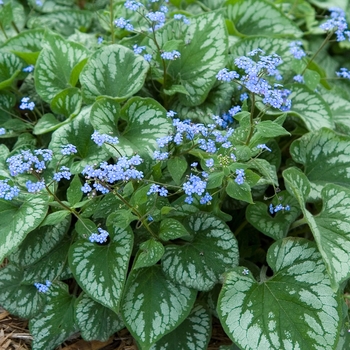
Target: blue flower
{"x":173,"y":55}
{"x":43,"y":288}
{"x":8,"y":192}
{"x":34,"y":187}
{"x":63,"y":174}
{"x":226,"y":75}
{"x":124,"y":24}
{"x":2,"y":131}
{"x":162,"y":191}
{"x":28,"y":69}
{"x":295,"y":49}
{"x":240,"y":176}
{"x":337,"y":23}
{"x":100,"y":139}
{"x":100,"y":237}
{"x":343,"y":73}
{"x":68,"y":149}
{"x":25,"y":104}
{"x":298,"y":78}
{"x":132,"y":5}
{"x":263,"y":146}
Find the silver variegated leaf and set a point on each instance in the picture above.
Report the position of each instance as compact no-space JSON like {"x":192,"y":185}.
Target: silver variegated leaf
{"x":200,"y":262}
{"x":193,"y":333}
{"x":100,"y":269}
{"x":113,"y":71}
{"x":55,"y":65}
{"x":294,"y":309}
{"x":149,"y":318}
{"x":18,"y":218}
{"x":56,"y":322}
{"x":95,"y":321}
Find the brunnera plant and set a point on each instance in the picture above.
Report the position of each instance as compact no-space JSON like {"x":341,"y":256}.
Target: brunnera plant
{"x":167,"y":162}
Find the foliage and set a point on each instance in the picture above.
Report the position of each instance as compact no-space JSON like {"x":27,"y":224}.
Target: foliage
{"x":166,"y":162}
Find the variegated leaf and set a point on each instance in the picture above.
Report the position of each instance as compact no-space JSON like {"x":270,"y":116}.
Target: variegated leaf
{"x":149,"y":318}
{"x":18,"y":218}
{"x":146,"y":121}
{"x":39,"y":242}
{"x":193,"y":333}
{"x":19,"y":298}
{"x":67,"y":102}
{"x":95,"y":321}
{"x":294,"y":309}
{"x":149,"y":254}
{"x":330,"y":228}
{"x":100,"y":269}
{"x":113,"y":71}
{"x":56,"y":322}
{"x":78,"y":132}
{"x":199,"y":263}
{"x":325,"y":156}
{"x":252,"y":17}
{"x":310,"y":107}
{"x":55,"y":65}
{"x":10,"y":67}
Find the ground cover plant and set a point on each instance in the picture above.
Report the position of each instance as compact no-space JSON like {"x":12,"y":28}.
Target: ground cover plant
{"x":163,"y":163}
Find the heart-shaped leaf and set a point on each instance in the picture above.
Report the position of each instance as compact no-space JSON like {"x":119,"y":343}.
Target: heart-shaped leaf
{"x":95,"y":321}
{"x":56,"y":322}
{"x":199,"y":264}
{"x":67,"y":102}
{"x":39,"y":242}
{"x":78,"y":132}
{"x":113,"y":71}
{"x":10,"y":67}
{"x":247,"y":17}
{"x":146,"y":121}
{"x":18,"y":218}
{"x":330,"y":227}
{"x":278,"y":226}
{"x":55,"y":65}
{"x":19,"y":298}
{"x":193,"y":333}
{"x":325,"y":156}
{"x":171,"y":229}
{"x":310,"y":107}
{"x":149,"y":318}
{"x":286,"y":311}
{"x":150,"y":253}
{"x":100,"y":269}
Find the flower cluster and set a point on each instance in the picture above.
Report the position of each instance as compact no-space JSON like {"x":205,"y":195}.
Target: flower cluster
{"x":253,"y":80}
{"x":277,"y":208}
{"x":25,"y":104}
{"x":296,"y":50}
{"x":63,"y":174}
{"x":343,"y":73}
{"x":34,"y":187}
{"x":123,"y":170}
{"x":28,"y":69}
{"x":2,"y":131}
{"x":100,"y":139}
{"x":6,"y":191}
{"x":43,"y":288}
{"x":298,"y":78}
{"x":182,"y":18}
{"x":163,"y":192}
{"x":337,"y":23}
{"x":68,"y":149}
{"x":133,"y":5}
{"x":157,"y":18}
{"x":173,"y":55}
{"x":100,"y":237}
{"x":26,"y":161}
{"x":195,"y":185}
{"x":240,"y":176}
{"x":124,"y":24}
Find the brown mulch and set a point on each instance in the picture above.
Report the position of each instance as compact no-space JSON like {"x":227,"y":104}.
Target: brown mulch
{"x":14,"y":335}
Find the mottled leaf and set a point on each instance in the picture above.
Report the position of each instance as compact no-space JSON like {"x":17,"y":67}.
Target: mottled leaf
{"x":149,"y":254}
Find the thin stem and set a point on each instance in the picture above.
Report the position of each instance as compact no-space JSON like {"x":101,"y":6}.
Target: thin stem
{"x":251,"y":120}
{"x":111,"y":18}
{"x":298,"y":223}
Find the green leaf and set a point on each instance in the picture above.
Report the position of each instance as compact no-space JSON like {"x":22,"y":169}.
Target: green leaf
{"x":55,"y":218}
{"x":241,"y":192}
{"x":177,"y":167}
{"x":46,"y":123}
{"x":149,"y":318}
{"x":252,"y":17}
{"x":149,"y":254}
{"x":10,"y":67}
{"x":276,"y":226}
{"x":312,"y":79}
{"x":330,"y":227}
{"x":199,"y":263}
{"x":193,"y":333}
{"x":175,"y":89}
{"x":55,"y":64}
{"x":39,"y":242}
{"x":144,"y":121}
{"x":78,"y":132}
{"x":74,"y":192}
{"x":16,"y":297}
{"x":171,"y":229}
{"x":215,"y":179}
{"x":325,"y":156}
{"x":100,"y":269}
{"x":171,"y":45}
{"x":95,"y":321}
{"x":266,"y":130}
{"x":67,"y":102}
{"x":286,"y":311}
{"x":56,"y":323}
{"x":121,"y":218}
{"x":267,"y":170}
{"x":310,"y":107}
{"x":18,"y":219}
{"x":113,"y":71}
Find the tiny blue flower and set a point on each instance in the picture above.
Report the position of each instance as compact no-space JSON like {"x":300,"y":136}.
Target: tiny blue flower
{"x":295,"y":49}
{"x":209,"y":163}
{"x":263,"y":146}
{"x":100,"y":237}
{"x":2,"y":131}
{"x":28,"y":69}
{"x":68,"y":149}
{"x":298,"y":78}
{"x":147,"y":57}
{"x":344,"y":73}
{"x":173,"y":55}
